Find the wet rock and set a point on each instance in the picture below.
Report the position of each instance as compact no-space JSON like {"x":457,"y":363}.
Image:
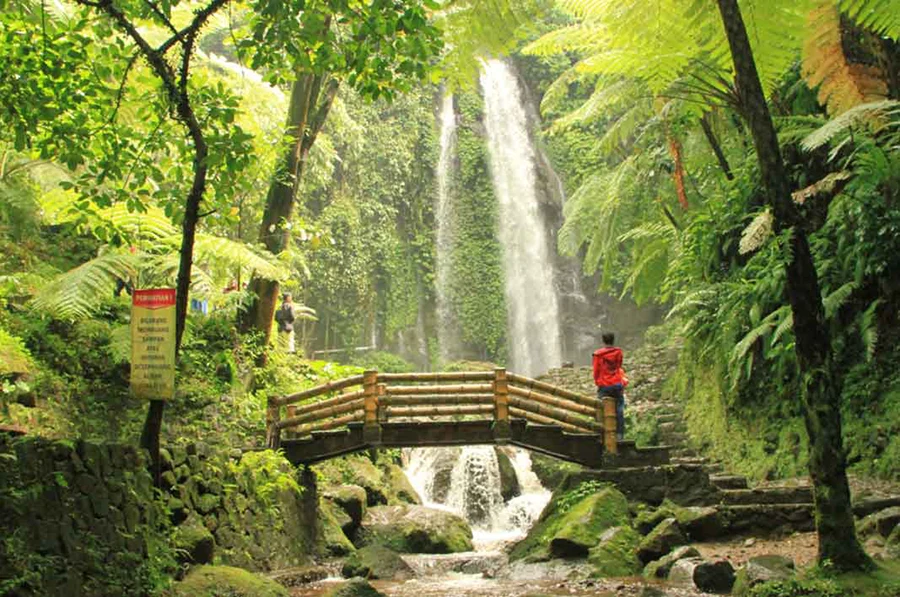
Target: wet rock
{"x":666,"y":536}
{"x":580,"y":528}
{"x":335,"y":542}
{"x":615,"y":556}
{"x":225,"y":580}
{"x":376,"y":562}
{"x":356,"y":587}
{"x":882,"y":522}
{"x":414,"y":529}
{"x":660,"y":568}
{"x":509,"y":482}
{"x":699,"y":523}
{"x":709,"y":577}
{"x":762,"y":569}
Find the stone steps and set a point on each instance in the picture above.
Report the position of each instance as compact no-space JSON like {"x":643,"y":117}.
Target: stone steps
{"x":729,"y":481}
{"x":767,"y":517}
{"x":769,"y":495}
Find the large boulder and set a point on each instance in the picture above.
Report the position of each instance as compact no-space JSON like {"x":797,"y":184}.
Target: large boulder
{"x":708,"y":577}
{"x":660,"y":568}
{"x":882,"y":522}
{"x":414,"y":529}
{"x":356,"y":587}
{"x":581,"y":527}
{"x":762,"y":569}
{"x":376,"y":562}
{"x":351,"y":499}
{"x":666,"y":536}
{"x":215,"y":581}
{"x":614,"y":554}
{"x":551,"y":471}
{"x":699,"y":523}
{"x":509,"y":481}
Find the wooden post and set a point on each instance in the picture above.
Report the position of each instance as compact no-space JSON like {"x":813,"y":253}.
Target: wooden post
{"x":502,"y":430}
{"x":273,"y":416}
{"x":609,"y":425}
{"x":371,"y":427}
{"x":382,"y":411}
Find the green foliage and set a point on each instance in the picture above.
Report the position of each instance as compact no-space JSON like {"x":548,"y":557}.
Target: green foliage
{"x":797,"y":588}
{"x":576,"y":495}
{"x":385,"y":362}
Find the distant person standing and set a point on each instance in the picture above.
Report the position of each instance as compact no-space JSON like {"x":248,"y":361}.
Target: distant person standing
{"x":285,"y":317}
{"x":610,"y":378}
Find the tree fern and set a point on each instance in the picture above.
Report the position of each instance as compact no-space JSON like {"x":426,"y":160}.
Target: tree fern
{"x":836,"y":299}
{"x":842,"y":83}
{"x":77,"y":293}
{"x":843,"y":123}
{"x":868,"y":328}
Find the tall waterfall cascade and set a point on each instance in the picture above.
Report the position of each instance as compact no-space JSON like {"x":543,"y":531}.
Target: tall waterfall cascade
{"x":533,"y":326}
{"x":448,"y":336}
{"x":467,"y":482}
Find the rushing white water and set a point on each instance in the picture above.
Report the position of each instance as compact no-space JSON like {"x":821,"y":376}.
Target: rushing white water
{"x":532,"y":311}
{"x":466,"y":481}
{"x":448,"y":337}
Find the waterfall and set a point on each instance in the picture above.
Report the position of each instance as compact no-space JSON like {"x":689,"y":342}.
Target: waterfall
{"x":448,"y":337}
{"x":467,"y":482}
{"x":532,"y":312}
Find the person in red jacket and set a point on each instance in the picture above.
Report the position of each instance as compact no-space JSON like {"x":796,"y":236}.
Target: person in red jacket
{"x":610,"y":378}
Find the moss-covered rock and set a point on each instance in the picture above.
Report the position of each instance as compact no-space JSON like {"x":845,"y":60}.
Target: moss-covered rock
{"x":376,"y":561}
{"x":660,"y":568}
{"x":882,"y":522}
{"x":582,"y":525}
{"x":614,"y":554}
{"x":334,"y":541}
{"x":399,"y":489}
{"x":762,"y":569}
{"x":666,"y":536}
{"x":356,"y":587}
{"x":217,"y":581}
{"x":509,"y":481}
{"x":193,"y":542}
{"x":352,"y":500}
{"x":551,"y":471}
{"x":576,"y":519}
{"x":414,"y":529}
{"x":697,"y":522}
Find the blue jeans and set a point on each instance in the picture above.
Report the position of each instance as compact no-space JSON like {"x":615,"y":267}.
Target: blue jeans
{"x":616,"y":391}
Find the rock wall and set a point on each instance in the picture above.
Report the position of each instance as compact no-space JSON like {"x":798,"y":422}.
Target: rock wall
{"x":81,"y":518}
{"x":76,"y":519}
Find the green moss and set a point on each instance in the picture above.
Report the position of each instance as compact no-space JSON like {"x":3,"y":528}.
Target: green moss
{"x":219,"y":581}
{"x":356,"y":587}
{"x":399,"y":489}
{"x":415,"y":529}
{"x":376,"y":561}
{"x":334,"y":542}
{"x":573,"y":519}
{"x":614,"y":555}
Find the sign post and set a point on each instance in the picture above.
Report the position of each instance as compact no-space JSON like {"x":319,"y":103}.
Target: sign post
{"x":153,"y":343}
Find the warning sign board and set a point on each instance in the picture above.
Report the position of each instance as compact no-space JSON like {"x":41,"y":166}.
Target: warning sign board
{"x":153,"y":343}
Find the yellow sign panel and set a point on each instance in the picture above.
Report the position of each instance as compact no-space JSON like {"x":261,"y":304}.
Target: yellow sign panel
{"x":153,"y":343}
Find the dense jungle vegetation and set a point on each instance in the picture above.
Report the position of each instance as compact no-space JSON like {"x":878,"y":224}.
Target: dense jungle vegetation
{"x":238,"y":150}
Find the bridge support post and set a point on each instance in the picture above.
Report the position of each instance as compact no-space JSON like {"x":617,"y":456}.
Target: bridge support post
{"x":371,"y":426}
{"x":609,"y":425}
{"x":273,"y":416}
{"x":501,"y":427}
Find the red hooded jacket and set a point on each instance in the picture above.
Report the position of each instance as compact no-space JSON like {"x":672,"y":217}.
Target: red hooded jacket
{"x":608,"y":367}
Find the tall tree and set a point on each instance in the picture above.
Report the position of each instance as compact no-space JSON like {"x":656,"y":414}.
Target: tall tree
{"x":821,"y":382}
{"x":377,"y":48}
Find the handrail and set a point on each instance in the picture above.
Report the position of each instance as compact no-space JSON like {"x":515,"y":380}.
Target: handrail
{"x":416,"y":395}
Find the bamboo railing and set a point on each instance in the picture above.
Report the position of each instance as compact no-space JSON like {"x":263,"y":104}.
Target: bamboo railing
{"x":377,"y":398}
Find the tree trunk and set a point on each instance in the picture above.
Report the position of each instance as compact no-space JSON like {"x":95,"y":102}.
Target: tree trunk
{"x":305,"y":120}
{"x":820,"y":385}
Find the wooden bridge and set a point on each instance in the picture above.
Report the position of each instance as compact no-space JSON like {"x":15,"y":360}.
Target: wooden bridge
{"x":399,"y":410}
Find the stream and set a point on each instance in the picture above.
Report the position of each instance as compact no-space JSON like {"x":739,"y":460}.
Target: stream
{"x":467,"y":481}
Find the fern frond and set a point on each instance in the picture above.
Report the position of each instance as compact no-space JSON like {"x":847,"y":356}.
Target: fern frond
{"x":786,"y":325}
{"x":77,"y":293}
{"x":842,"y":83}
{"x":757,"y":232}
{"x":624,"y":127}
{"x":223,"y":251}
{"x":824,"y":186}
{"x":605,"y":99}
{"x":868,"y":328}
{"x":849,"y":119}
{"x":836,"y":299}
{"x":120,"y":344}
{"x":880,"y":16}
